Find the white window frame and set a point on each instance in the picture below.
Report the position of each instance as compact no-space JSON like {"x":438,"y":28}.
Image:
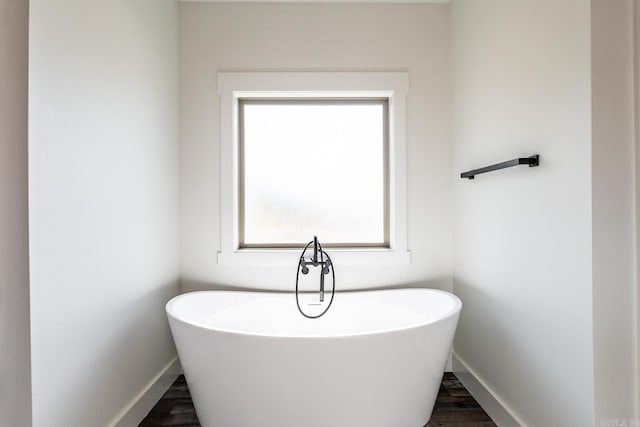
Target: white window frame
{"x":235,"y":85}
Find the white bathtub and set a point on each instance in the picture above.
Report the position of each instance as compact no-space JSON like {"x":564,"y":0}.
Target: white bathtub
{"x":374,"y":360}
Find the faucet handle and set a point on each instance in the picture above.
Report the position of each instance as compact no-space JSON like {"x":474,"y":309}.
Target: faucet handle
{"x":326,"y":267}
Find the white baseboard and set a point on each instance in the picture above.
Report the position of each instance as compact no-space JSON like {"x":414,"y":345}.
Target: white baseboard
{"x":133,"y":414}
{"x":499,"y":412}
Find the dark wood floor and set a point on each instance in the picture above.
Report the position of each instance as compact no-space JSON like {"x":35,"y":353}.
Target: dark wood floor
{"x":454,"y":408}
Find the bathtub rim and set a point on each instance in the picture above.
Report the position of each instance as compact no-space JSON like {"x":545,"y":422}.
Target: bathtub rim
{"x":455,"y":311}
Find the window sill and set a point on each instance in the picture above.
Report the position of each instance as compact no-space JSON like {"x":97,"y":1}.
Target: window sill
{"x":340,"y":257}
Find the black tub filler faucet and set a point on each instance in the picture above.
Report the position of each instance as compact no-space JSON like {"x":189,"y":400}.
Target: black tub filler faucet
{"x":321,"y":259}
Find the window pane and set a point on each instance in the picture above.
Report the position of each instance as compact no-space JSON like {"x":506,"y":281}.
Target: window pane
{"x":313,"y":168}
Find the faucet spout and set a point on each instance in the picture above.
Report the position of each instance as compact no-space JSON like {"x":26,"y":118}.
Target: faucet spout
{"x":315,"y":251}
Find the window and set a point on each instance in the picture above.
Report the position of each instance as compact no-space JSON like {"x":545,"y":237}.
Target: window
{"x":306,"y":153}
{"x":313,"y":167}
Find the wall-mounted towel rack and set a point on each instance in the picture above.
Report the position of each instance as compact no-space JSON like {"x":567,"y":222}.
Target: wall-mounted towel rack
{"x":531,"y":161}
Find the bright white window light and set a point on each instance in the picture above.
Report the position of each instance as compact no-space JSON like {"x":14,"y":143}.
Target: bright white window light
{"x":313,"y":167}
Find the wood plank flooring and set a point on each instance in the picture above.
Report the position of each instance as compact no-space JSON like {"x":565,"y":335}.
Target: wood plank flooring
{"x":455,"y":407}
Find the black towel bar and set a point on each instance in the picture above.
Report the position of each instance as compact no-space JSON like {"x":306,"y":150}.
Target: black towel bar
{"x":532,"y":161}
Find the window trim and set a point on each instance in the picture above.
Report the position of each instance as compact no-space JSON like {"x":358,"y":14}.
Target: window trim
{"x":235,"y":85}
{"x":274,"y":100}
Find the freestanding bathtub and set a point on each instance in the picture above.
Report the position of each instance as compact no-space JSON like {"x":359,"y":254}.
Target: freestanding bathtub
{"x":375,"y":359}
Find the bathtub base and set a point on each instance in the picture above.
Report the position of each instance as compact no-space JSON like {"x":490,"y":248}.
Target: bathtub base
{"x":339,"y":392}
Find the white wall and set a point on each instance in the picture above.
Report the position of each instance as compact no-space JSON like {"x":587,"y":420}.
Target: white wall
{"x":15,"y":374}
{"x":523,"y":236}
{"x":613,"y":180}
{"x":103,"y":171}
{"x":277,"y":36}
